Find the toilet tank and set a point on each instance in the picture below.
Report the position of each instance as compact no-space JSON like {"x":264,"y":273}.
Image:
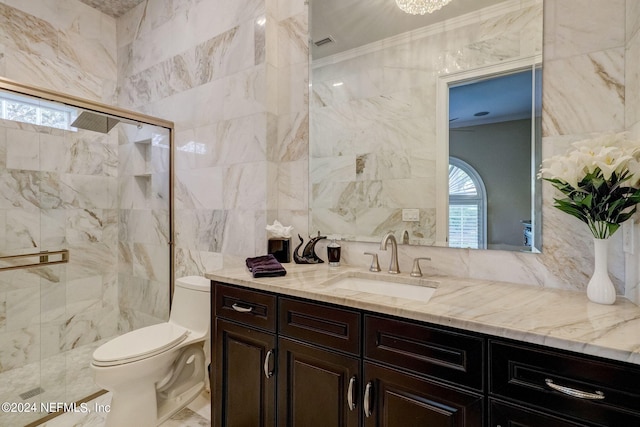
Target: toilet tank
{"x":191,"y":306}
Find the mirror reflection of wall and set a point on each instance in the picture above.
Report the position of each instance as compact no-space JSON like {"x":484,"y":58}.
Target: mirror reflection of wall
{"x":374,"y":109}
{"x":491,"y":130}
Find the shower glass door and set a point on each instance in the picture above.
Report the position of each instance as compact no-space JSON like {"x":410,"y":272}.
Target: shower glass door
{"x":92,"y":202}
{"x":33,"y":291}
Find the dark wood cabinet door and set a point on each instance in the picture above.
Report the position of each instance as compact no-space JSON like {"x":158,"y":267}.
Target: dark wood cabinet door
{"x":396,"y":399}
{"x":245,"y":384}
{"x":316,"y":387}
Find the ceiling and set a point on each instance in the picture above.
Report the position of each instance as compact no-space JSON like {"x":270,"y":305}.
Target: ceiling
{"x":115,"y":8}
{"x":504,"y":98}
{"x":353,"y":23}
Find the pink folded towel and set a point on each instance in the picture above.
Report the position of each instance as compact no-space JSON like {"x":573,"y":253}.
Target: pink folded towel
{"x":265,"y":266}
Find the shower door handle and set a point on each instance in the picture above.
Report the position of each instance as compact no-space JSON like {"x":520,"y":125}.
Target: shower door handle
{"x":44,"y":258}
{"x":268,"y":372}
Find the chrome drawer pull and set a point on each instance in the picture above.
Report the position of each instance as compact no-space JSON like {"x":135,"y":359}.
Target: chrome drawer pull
{"x":598,"y":395}
{"x":267,"y":371}
{"x":242,"y":309}
{"x":367,"y":399}
{"x":350,"y":392}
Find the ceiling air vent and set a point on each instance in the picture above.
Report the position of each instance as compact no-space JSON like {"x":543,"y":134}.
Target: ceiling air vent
{"x":324,"y":41}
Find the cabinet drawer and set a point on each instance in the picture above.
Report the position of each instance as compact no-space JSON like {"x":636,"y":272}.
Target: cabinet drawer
{"x":246,"y":306}
{"x":502,"y":414}
{"x":331,"y":327}
{"x":607,"y":392}
{"x":426,"y":350}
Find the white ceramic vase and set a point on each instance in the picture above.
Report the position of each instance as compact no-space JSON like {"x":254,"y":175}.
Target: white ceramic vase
{"x":600,"y":288}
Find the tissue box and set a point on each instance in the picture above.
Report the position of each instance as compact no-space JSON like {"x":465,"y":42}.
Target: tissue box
{"x":280,"y":248}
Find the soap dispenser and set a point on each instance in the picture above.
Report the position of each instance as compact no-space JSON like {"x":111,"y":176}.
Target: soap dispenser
{"x":333,"y":253}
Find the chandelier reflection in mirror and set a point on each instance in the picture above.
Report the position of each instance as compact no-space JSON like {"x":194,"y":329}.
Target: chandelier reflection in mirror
{"x":420,"y":7}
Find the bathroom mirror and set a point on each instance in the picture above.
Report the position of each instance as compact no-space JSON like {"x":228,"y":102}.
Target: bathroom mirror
{"x":391,"y":97}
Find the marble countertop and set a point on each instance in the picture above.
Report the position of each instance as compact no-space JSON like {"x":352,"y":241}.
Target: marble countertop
{"x":555,"y":318}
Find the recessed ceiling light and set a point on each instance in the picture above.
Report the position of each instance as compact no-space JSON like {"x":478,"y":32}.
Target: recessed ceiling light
{"x":481,"y":113}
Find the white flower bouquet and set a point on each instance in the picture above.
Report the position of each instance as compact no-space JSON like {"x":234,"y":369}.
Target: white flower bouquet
{"x":600,"y":179}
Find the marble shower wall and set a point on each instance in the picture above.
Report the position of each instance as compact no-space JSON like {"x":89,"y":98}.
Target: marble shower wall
{"x":143,"y":238}
{"x":373,"y":110}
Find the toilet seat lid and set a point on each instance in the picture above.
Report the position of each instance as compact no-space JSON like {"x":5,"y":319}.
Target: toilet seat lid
{"x":139,"y":344}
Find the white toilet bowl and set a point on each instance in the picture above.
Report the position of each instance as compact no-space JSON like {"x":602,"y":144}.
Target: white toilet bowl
{"x":154,"y":372}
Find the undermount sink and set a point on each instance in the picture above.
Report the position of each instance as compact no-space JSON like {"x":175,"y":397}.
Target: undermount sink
{"x":390,"y":286}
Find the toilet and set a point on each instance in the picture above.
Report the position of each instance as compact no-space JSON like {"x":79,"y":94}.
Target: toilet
{"x":156,"y":371}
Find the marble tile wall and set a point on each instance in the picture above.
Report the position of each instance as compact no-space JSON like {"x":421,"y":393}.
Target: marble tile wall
{"x":632,"y":123}
{"x":212,"y":68}
{"x":62,"y":44}
{"x":242,"y":126}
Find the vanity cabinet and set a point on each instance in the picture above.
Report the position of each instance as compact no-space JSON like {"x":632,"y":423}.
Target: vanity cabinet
{"x":338,"y":367}
{"x":289,"y":362}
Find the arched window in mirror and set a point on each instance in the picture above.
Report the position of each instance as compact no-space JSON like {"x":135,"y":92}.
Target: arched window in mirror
{"x":467,"y":206}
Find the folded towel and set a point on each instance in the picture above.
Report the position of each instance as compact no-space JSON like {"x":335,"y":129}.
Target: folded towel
{"x":265,"y":266}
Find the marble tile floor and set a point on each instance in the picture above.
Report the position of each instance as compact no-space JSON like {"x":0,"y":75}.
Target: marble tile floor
{"x":64,"y":377}
{"x":196,"y":414}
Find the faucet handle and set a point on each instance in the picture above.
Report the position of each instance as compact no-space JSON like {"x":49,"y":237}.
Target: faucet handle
{"x":415,"y":271}
{"x":374,"y":262}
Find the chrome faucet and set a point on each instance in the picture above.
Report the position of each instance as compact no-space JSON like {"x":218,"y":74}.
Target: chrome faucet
{"x":389,"y":237}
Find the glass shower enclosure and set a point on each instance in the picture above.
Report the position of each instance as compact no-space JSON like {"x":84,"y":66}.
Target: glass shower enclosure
{"x":85,"y":240}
